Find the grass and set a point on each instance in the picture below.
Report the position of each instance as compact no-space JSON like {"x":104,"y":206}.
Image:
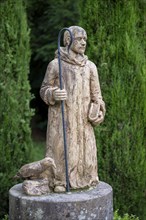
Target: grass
{"x":38,"y":150}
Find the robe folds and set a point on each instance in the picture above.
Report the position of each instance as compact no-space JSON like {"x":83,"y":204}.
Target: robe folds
{"x":80,"y":80}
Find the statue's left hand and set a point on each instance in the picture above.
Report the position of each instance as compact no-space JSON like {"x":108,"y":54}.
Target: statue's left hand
{"x":99,"y":119}
{"x":102,"y":107}
{"x":96,"y":112}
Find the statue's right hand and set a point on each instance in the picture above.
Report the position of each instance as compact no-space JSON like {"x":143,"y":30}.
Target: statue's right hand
{"x":60,"y":95}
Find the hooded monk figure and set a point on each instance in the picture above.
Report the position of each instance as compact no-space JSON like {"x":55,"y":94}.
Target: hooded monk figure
{"x":84,"y":108}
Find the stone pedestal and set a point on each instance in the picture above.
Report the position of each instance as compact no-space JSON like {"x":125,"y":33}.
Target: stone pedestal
{"x":86,"y":205}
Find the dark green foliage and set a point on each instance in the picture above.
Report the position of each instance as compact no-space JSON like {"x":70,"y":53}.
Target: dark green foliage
{"x":15,"y":114}
{"x":46,"y":19}
{"x":125,"y":217}
{"x":116,"y":44}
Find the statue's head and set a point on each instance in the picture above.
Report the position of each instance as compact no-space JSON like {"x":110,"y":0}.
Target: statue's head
{"x":79,"y":39}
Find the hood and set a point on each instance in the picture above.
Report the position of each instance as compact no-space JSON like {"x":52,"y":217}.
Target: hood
{"x":71,"y":57}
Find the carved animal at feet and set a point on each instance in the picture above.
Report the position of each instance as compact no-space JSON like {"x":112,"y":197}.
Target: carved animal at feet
{"x":37,"y":170}
{"x":39,"y":176}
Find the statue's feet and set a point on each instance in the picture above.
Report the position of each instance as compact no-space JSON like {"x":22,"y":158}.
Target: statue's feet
{"x":59,"y":189}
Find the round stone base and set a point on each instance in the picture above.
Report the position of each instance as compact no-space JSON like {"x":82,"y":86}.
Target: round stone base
{"x":84,"y":205}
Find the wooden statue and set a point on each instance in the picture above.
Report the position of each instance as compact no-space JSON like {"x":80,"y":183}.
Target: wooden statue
{"x":83,"y":109}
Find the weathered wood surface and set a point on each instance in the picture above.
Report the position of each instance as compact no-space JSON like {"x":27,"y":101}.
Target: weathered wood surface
{"x":84,"y":108}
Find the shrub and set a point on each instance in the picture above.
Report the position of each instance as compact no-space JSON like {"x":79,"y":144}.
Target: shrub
{"x":125,"y":217}
{"x":15,"y":114}
{"x":116,"y":44}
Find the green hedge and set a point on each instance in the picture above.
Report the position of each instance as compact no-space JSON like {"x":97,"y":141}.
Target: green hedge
{"x":15,"y":114}
{"x":116,"y":44}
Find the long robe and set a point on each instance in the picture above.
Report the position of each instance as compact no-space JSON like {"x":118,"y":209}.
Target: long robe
{"x":80,"y":79}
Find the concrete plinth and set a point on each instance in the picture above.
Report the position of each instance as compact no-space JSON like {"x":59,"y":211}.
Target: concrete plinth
{"x":86,"y":205}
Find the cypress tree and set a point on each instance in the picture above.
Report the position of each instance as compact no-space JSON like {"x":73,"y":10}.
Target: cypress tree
{"x":15,"y":114}
{"x":116,"y":45}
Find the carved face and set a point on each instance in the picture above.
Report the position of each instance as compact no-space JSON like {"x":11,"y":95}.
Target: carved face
{"x":79,"y":42}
